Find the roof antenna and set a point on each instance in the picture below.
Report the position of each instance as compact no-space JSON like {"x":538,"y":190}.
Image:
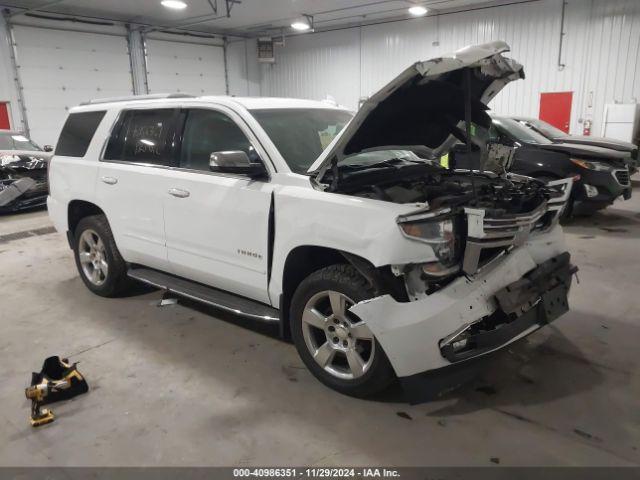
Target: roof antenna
{"x":467,"y":121}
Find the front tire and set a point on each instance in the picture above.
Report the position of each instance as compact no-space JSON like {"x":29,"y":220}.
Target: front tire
{"x":335,"y":345}
{"x":99,"y":263}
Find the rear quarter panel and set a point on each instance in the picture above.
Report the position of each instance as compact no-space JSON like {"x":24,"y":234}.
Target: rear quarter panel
{"x":74,"y":178}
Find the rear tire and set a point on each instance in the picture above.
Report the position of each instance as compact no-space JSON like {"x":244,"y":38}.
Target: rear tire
{"x":99,"y":262}
{"x":335,"y":345}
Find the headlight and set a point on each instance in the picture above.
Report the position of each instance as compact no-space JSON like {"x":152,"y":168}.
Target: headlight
{"x":438,"y":232}
{"x":597,"y":166}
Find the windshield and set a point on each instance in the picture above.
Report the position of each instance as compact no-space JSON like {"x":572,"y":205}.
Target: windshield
{"x":301,"y":134}
{"x":545,"y":128}
{"x":519,"y":132}
{"x":15,"y":141}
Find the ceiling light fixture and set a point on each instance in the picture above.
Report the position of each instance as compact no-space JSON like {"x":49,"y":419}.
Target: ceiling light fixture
{"x":417,"y":11}
{"x":174,"y":4}
{"x":303,"y":23}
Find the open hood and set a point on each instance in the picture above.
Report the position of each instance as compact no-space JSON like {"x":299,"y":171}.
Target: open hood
{"x":423,"y":108}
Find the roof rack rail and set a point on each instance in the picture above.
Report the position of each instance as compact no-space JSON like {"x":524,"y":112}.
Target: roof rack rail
{"x":131,"y":98}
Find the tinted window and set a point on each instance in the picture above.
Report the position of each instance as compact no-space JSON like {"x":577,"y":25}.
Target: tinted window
{"x":77,"y":133}
{"x":208,"y":131}
{"x":301,"y":134}
{"x":141,"y":136}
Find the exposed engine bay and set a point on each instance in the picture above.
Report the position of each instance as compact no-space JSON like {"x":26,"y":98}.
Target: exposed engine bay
{"x":440,"y":188}
{"x":467,"y":218}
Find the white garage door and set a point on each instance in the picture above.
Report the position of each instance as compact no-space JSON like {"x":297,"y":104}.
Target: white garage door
{"x":185,"y":67}
{"x":60,"y":69}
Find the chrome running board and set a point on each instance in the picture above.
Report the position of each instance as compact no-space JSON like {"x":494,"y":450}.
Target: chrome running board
{"x":202,"y":293}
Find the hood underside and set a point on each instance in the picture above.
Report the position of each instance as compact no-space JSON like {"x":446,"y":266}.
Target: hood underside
{"x":423,"y":108}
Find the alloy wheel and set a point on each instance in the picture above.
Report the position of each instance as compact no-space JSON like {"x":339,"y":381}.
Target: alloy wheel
{"x":93,"y":257}
{"x":338,"y":341}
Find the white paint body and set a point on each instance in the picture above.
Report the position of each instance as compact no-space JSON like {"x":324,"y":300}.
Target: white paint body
{"x":410,"y":332}
{"x":198,"y":237}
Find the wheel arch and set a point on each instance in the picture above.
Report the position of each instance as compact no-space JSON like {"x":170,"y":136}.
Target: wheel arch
{"x":79,"y":209}
{"x":306,"y":259}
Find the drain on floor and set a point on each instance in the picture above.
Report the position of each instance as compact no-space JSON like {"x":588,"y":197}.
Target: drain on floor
{"x":9,"y":237}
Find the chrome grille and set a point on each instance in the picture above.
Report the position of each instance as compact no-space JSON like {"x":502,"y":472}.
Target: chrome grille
{"x":622,"y":177}
{"x":485,"y":232}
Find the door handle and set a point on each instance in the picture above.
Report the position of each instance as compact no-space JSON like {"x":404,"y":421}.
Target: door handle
{"x":177,"y":192}
{"x":109,"y":180}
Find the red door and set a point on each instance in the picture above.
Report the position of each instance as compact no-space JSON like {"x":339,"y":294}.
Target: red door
{"x":555,"y":108}
{"x":4,"y":116}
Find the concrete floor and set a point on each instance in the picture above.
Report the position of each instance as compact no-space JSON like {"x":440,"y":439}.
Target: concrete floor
{"x":176,"y":386}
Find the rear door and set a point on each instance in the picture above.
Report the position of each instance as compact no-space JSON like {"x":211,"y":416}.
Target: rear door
{"x":555,"y":108}
{"x":5,"y":124}
{"x":217,"y":224}
{"x":133,"y":181}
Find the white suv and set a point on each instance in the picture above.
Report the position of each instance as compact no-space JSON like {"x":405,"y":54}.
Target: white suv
{"x":348,"y":231}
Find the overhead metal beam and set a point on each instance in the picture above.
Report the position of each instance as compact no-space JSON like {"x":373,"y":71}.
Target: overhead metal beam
{"x":35,"y":9}
{"x":146,"y":27}
{"x":183,"y":26}
{"x":229,"y":4}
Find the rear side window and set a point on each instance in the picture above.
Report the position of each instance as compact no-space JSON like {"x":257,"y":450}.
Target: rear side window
{"x":77,"y":133}
{"x":141,"y":136}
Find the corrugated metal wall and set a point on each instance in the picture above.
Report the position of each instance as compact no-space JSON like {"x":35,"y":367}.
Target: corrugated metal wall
{"x":314,"y":66}
{"x":243,"y":70}
{"x":601,"y":53}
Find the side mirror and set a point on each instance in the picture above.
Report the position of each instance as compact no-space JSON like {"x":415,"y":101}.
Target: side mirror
{"x":48,"y":148}
{"x":236,"y":161}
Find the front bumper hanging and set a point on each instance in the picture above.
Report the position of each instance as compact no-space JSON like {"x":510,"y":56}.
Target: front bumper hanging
{"x":532,"y":302}
{"x":525,"y":305}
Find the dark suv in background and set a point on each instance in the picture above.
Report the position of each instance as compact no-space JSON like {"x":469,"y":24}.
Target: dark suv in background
{"x":601,"y":175}
{"x":558,"y":136}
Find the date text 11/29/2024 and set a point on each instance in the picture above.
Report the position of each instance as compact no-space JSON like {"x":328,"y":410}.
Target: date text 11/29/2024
{"x":368,"y":472}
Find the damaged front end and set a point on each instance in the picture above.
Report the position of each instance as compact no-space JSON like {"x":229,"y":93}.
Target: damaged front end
{"x":467,"y":231}
{"x":431,"y":338}
{"x":495,"y":265}
{"x":495,"y":269}
{"x":23,"y":181}
{"x":499,"y":271}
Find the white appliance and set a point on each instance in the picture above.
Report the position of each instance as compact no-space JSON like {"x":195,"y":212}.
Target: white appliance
{"x":621,"y":121}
